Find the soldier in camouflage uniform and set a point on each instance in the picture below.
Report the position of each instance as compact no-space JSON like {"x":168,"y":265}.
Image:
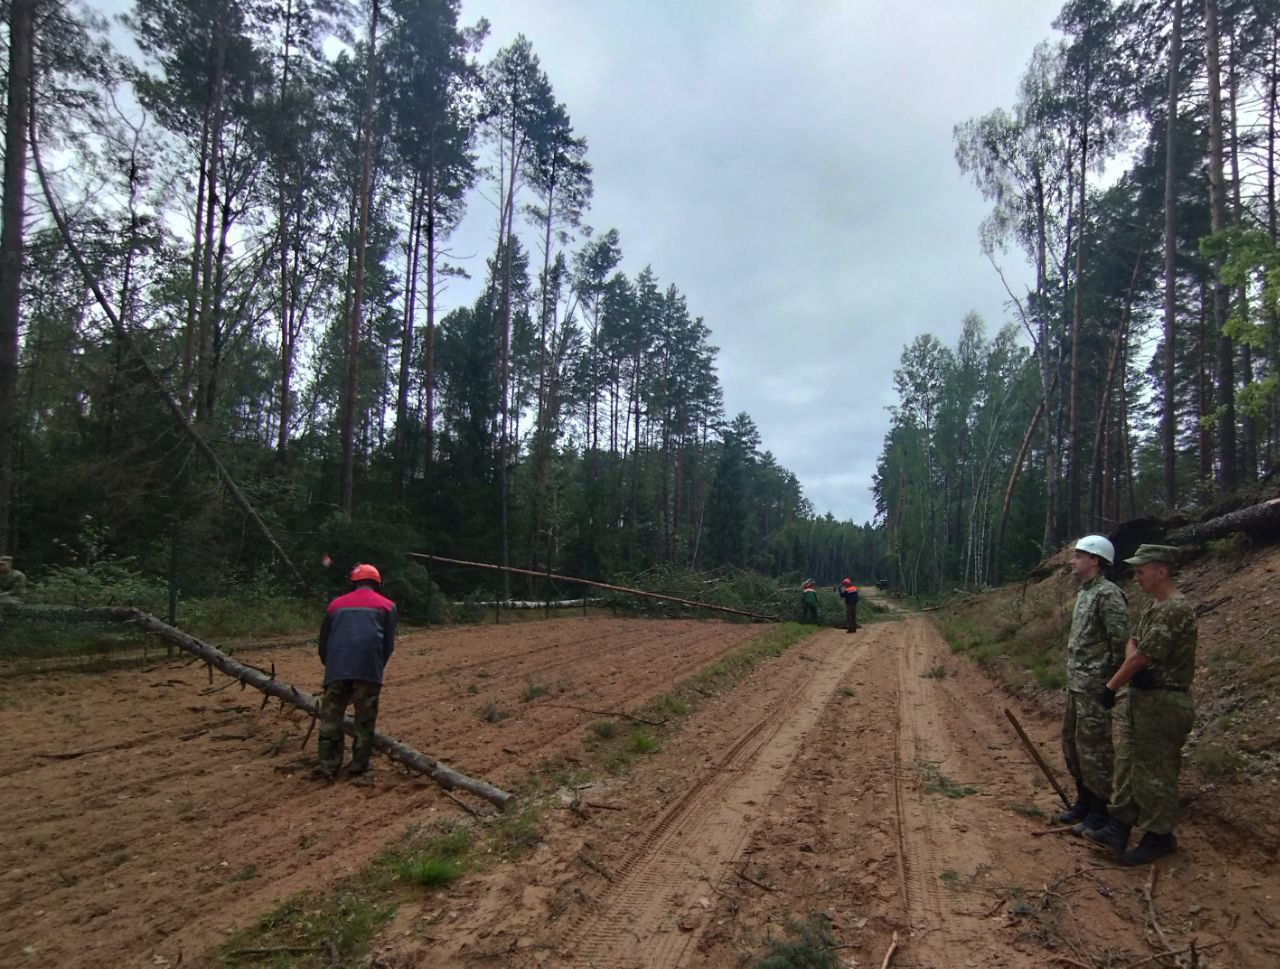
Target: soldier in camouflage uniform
{"x":1099,"y":628}
{"x":1159,"y":665}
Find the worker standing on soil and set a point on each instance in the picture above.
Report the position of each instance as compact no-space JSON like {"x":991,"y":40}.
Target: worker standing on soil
{"x":1099,"y":629}
{"x":809,"y":601}
{"x":849,"y":593}
{"x":13,"y":584}
{"x":1159,"y":664}
{"x":356,"y":642}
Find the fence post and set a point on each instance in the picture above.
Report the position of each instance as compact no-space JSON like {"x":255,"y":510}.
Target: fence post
{"x":429,"y":596}
{"x":546,"y":611}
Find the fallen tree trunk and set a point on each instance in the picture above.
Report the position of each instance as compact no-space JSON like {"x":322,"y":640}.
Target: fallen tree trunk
{"x":446,"y":777}
{"x":529,"y":603}
{"x":1256,"y":521}
{"x":552,"y":577}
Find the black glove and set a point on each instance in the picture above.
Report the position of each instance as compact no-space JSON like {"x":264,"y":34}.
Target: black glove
{"x":1107,"y":698}
{"x":1143,"y":679}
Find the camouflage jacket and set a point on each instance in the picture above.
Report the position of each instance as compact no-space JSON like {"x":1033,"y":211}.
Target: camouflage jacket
{"x":1099,"y":630}
{"x":1166,"y":635}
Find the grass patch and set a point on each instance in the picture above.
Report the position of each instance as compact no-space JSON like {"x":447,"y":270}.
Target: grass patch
{"x":642,"y":743}
{"x":491,"y":714}
{"x":672,"y":706}
{"x":808,"y":945}
{"x":847,"y":691}
{"x":937,"y":782}
{"x":532,"y":691}
{"x":604,"y":729}
{"x":341,"y":924}
{"x":1023,"y":653}
{"x":936,"y":673}
{"x":1028,"y":811}
{"x":437,"y":862}
{"x":950,"y":878}
{"x":244,"y":874}
{"x":513,"y":833}
{"x":1216,"y":760}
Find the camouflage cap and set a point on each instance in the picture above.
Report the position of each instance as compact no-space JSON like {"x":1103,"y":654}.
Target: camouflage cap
{"x":1154,"y":553}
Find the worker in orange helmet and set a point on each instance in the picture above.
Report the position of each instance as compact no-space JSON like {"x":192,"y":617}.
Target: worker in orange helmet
{"x":356,"y":642}
{"x":849,"y":593}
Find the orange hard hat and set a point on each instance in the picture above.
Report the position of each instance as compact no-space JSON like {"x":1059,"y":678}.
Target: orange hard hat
{"x":365,"y":573}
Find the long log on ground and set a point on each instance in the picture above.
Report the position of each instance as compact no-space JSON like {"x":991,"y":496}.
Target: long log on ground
{"x":445,"y":776}
{"x":759,"y":616}
{"x":1256,"y":521}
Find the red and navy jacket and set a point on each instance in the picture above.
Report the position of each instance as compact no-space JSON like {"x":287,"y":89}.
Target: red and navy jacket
{"x":358,"y":636}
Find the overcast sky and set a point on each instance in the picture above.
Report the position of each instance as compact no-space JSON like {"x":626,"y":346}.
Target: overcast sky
{"x":790,"y":168}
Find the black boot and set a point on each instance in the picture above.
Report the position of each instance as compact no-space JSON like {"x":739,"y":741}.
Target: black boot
{"x":1114,"y":835}
{"x":1078,"y":811}
{"x":1151,"y":847}
{"x":1096,"y":818}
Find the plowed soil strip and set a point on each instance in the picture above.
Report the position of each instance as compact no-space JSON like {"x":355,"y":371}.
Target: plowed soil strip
{"x":648,"y":915}
{"x":182,"y":815}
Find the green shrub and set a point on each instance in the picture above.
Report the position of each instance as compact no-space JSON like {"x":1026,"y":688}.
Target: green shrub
{"x":605,"y":729}
{"x":642,"y":743}
{"x":1232,"y":546}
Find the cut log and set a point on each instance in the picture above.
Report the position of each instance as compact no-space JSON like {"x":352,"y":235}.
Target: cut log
{"x":1256,"y":521}
{"x":445,"y":776}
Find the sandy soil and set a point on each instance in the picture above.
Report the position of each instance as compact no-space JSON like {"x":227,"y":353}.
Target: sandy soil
{"x":819,"y":785}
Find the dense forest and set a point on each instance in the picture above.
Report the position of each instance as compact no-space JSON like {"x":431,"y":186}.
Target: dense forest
{"x":1135,"y":175}
{"x":226,"y":230}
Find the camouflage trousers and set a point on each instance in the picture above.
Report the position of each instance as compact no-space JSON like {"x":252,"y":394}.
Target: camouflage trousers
{"x":338,"y":695}
{"x":810,"y":611}
{"x":1086,"y":743}
{"x":1152,"y":730}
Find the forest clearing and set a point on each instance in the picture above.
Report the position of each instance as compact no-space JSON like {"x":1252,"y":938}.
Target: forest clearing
{"x":855,"y":789}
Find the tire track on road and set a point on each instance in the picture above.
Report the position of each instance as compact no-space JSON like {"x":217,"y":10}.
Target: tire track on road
{"x":650,"y":915}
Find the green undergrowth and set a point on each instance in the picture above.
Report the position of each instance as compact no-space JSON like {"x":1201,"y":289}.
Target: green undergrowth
{"x":936,"y":782}
{"x":321,"y":929}
{"x":1030,"y":656}
{"x":807,"y":945}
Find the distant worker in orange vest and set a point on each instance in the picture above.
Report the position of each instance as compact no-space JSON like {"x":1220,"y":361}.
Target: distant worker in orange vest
{"x":849,"y":593}
{"x":809,"y":601}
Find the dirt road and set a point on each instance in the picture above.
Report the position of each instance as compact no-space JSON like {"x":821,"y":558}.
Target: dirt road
{"x":870,"y":780}
{"x":867,"y":780}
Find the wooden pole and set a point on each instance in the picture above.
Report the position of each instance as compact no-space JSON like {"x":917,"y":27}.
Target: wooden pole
{"x":445,"y":776}
{"x":759,"y":616}
{"x":1035,"y":755}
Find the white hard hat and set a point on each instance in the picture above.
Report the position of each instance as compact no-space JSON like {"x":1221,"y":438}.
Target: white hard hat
{"x":1099,"y":546}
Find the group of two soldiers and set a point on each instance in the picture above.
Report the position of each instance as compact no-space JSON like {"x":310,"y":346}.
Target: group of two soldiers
{"x":1129,"y":780}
